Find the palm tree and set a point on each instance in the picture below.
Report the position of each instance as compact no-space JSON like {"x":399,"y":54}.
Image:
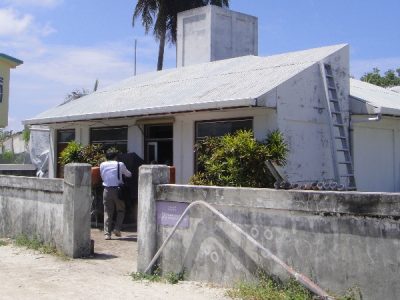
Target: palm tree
{"x":161,"y":16}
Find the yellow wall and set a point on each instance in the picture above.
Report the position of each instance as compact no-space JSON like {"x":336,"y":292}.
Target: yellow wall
{"x":5,"y":73}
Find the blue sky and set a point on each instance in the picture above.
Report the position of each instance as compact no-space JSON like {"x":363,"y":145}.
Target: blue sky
{"x":66,"y":45}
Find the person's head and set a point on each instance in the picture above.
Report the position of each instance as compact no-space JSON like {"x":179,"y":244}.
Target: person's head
{"x":111,"y":154}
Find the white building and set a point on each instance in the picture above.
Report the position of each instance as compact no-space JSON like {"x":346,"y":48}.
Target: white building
{"x":161,"y":115}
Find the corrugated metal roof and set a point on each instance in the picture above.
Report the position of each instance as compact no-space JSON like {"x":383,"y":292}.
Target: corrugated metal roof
{"x":395,"y":89}
{"x":386,"y":101}
{"x":227,"y":83}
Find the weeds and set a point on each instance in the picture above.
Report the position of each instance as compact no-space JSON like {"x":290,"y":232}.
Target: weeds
{"x":36,"y":244}
{"x":3,"y":243}
{"x":156,"y":276}
{"x":268,"y":289}
{"x":174,"y":278}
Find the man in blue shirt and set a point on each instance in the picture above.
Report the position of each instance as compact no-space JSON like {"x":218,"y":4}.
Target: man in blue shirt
{"x":111,"y":180}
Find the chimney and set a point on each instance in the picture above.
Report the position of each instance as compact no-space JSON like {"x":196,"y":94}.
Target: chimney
{"x":213,"y":33}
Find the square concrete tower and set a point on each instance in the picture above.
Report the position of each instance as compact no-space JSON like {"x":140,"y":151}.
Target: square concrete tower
{"x":213,"y":33}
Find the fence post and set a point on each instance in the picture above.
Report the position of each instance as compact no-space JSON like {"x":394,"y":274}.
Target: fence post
{"x":149,"y":177}
{"x":77,"y":199}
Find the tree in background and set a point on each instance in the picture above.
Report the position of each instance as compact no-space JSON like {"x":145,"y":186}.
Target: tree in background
{"x":389,"y":79}
{"x":239,"y":160}
{"x":161,"y":17}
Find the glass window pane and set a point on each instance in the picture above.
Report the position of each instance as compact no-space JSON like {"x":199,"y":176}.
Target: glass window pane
{"x":65,"y":136}
{"x":109,"y":134}
{"x":220,"y":128}
{"x":159,"y":132}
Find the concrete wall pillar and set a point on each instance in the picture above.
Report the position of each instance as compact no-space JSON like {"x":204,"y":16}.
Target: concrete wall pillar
{"x":149,"y":177}
{"x":76,"y":212}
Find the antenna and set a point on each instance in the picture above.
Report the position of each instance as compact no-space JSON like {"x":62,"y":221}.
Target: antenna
{"x":96,"y":85}
{"x":134,"y":72}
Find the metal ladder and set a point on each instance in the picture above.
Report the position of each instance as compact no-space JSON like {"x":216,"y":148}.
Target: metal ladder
{"x":340,"y":146}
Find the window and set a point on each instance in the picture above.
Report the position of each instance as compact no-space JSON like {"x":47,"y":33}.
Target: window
{"x":221,"y":127}
{"x":110,"y":137}
{"x":216,"y":128}
{"x":1,"y":89}
{"x":63,"y":138}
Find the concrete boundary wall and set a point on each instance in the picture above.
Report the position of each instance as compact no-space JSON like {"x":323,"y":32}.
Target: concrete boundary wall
{"x":54,"y":210}
{"x":340,"y":239}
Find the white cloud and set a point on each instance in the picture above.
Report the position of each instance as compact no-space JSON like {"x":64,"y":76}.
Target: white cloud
{"x":40,"y":3}
{"x":12,"y":23}
{"x":16,"y":26}
{"x":78,"y":66}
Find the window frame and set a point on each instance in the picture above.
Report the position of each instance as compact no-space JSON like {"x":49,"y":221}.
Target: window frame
{"x":60,"y":169}
{"x":197,"y":139}
{"x":110,"y":142}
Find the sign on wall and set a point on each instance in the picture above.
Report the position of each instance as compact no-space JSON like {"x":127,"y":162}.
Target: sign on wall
{"x":168,"y":213}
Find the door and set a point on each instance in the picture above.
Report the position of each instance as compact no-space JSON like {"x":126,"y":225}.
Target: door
{"x":158,"y":144}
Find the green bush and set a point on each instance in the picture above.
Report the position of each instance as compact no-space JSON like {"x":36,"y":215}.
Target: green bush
{"x":8,"y":156}
{"x":72,"y":153}
{"x":76,"y":153}
{"x":239,"y":160}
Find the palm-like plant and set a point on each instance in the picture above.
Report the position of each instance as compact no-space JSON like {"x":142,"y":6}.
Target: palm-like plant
{"x":161,"y":16}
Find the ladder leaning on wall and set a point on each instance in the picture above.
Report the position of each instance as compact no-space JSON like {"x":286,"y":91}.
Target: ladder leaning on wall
{"x":340,"y":146}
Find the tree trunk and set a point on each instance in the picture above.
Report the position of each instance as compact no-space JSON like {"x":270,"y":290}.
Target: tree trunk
{"x":161,"y":51}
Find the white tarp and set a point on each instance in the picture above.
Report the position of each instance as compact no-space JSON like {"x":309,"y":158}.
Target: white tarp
{"x":39,"y":148}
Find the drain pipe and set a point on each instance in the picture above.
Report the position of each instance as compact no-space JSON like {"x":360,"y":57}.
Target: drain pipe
{"x":301,"y":278}
{"x":376,"y":118}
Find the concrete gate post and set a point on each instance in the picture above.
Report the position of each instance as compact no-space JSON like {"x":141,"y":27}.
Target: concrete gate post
{"x":149,"y":177}
{"x":77,"y":200}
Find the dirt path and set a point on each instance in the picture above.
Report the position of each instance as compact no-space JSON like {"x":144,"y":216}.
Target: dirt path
{"x":25,"y":274}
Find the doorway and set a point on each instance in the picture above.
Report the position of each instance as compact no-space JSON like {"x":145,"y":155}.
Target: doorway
{"x":158,"y":148}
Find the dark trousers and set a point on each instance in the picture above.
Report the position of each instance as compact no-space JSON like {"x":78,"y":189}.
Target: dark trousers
{"x":111,"y":201}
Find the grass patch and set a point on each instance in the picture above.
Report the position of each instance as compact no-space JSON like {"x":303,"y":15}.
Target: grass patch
{"x":174,"y":278}
{"x":268,"y":289}
{"x":156,"y":276}
{"x":3,"y":243}
{"x":36,"y":244}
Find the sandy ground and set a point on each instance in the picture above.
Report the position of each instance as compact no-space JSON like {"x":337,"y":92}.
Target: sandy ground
{"x":25,"y":274}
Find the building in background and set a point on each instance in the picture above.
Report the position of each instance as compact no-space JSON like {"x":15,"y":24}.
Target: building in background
{"x":338,"y":129}
{"x":6,"y":63}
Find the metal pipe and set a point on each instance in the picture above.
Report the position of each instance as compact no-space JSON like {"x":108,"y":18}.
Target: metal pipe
{"x":376,"y":118}
{"x":301,"y":278}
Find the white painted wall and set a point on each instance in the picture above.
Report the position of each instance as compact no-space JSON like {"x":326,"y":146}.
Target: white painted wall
{"x":212,"y":33}
{"x":14,"y":144}
{"x":303,"y":119}
{"x":376,"y":147}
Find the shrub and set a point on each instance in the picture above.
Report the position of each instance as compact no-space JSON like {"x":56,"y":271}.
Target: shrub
{"x":75,"y":152}
{"x":93,"y":154}
{"x":7,"y":157}
{"x":239,"y":160}
{"x":72,"y":153}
